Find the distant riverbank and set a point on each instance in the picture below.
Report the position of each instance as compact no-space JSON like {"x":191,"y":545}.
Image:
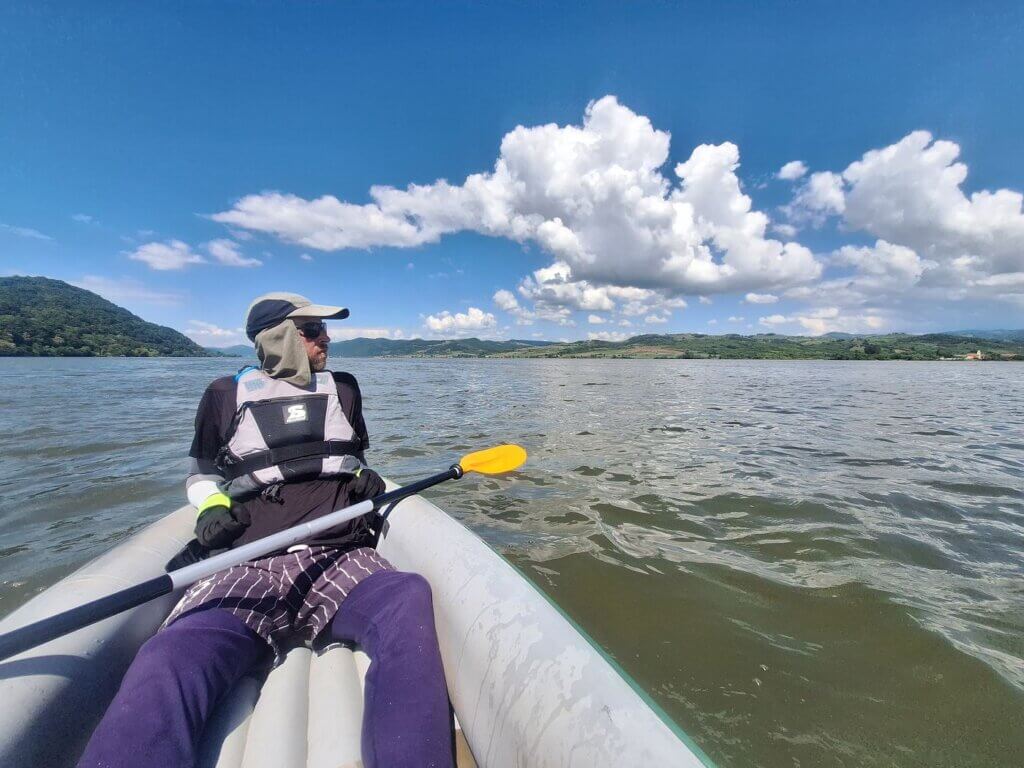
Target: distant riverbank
{"x":696,"y":346}
{"x":41,"y":317}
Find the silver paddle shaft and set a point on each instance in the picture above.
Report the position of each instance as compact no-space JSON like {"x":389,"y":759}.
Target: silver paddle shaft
{"x":277,"y":541}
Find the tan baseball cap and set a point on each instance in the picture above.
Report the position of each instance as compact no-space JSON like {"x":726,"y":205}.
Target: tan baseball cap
{"x":272,"y":308}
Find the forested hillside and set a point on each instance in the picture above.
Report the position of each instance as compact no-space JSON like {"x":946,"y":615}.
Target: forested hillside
{"x":765,"y":346}
{"x":44,"y":317}
{"x":770,"y":346}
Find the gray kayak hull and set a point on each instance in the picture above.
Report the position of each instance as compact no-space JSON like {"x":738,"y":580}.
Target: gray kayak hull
{"x":527,"y":686}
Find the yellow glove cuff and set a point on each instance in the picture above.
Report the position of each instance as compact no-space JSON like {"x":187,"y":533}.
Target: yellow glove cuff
{"x":214,"y":500}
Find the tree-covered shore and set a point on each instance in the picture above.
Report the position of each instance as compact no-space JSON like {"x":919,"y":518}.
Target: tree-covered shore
{"x":896,"y":346}
{"x":40,"y":317}
{"x":1004,"y":346}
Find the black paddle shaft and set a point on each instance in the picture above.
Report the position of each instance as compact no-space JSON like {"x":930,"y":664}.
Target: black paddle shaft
{"x":44,"y":630}
{"x":454,"y":473}
{"x":386,"y":502}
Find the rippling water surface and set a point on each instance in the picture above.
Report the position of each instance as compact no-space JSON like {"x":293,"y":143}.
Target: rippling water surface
{"x":805,"y":563}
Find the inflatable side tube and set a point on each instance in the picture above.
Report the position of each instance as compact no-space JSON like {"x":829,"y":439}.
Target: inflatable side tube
{"x":527,"y":685}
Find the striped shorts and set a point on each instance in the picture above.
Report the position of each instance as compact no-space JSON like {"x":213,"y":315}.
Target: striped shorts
{"x":285,"y":599}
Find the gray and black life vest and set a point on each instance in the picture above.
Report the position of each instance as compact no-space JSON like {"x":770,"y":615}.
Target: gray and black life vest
{"x":282,"y":433}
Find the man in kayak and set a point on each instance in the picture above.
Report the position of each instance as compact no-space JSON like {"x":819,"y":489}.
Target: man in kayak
{"x":276,"y":446}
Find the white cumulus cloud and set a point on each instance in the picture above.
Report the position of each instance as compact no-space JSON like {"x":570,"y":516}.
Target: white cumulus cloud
{"x":555,"y":294}
{"x":456,"y":324}
{"x":816,"y":322}
{"x":342,"y":331}
{"x":592,"y":195}
{"x":760,"y":298}
{"x":211,"y":335}
{"x":822,"y":195}
{"x":792,"y":170}
{"x":910,"y":194}
{"x":892,"y":262}
{"x":554,"y":286}
{"x":171,"y":255}
{"x":227,"y":252}
{"x":507,"y":302}
{"x":608,"y":336}
{"x":931,"y":233}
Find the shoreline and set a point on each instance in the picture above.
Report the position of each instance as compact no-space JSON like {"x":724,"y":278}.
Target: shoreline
{"x":1014,"y":359}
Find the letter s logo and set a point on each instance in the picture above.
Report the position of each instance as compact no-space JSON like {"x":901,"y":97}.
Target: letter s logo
{"x":294,"y":413}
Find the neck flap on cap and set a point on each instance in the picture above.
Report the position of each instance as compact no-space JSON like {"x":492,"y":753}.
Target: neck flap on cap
{"x":283,"y":355}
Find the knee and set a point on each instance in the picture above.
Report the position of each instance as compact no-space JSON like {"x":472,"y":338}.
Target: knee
{"x":406,"y":609}
{"x":413,"y":593}
{"x":205,"y":639}
{"x":164,"y":657}
{"x":167,"y":643}
{"x":174,"y":644}
{"x":395,"y":588}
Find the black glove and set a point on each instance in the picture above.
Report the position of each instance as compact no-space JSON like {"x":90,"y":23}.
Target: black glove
{"x":365,"y":485}
{"x":218,"y":526}
{"x":190,"y":554}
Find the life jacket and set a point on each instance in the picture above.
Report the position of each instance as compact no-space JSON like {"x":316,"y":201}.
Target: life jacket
{"x":282,"y":433}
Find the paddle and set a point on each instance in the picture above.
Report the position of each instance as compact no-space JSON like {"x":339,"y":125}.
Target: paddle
{"x":492,"y":461}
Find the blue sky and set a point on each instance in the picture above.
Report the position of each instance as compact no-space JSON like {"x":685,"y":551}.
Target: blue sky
{"x":624,"y":163}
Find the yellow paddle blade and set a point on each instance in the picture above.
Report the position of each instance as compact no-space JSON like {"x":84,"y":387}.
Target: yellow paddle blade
{"x":494,"y":461}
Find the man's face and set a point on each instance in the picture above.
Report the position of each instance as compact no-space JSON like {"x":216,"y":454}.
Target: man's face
{"x":316,"y":348}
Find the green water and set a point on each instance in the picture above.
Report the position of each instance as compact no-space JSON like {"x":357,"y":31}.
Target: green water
{"x":804,"y":563}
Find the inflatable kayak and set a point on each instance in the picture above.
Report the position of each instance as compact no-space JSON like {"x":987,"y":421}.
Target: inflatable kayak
{"x":528,"y":687}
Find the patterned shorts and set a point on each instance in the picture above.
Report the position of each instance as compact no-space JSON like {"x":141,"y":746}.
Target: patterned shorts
{"x":285,"y":599}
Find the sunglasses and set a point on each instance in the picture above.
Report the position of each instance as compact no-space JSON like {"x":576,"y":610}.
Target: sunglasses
{"x":312,"y":329}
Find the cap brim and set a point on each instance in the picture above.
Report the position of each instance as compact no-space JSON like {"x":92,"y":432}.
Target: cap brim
{"x":321,"y":310}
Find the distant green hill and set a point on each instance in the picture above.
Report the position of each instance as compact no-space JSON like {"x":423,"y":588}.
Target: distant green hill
{"x":995,"y":335}
{"x":44,"y":317}
{"x":765,"y":346}
{"x":238,"y":350}
{"x":363,"y":347}
{"x":771,"y":346}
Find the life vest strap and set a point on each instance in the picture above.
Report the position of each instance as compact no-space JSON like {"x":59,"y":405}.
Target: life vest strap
{"x":316,"y":449}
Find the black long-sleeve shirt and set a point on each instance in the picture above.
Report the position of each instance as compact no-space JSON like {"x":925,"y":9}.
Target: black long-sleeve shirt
{"x":299,"y":501}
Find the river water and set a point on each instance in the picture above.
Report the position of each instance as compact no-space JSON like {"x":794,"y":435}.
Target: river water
{"x":805,"y":563}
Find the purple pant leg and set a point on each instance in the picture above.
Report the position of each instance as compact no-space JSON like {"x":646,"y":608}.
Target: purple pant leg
{"x":170,"y":689}
{"x":407,"y":719}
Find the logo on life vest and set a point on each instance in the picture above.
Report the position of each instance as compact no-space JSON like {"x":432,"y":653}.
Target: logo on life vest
{"x":294,"y":413}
